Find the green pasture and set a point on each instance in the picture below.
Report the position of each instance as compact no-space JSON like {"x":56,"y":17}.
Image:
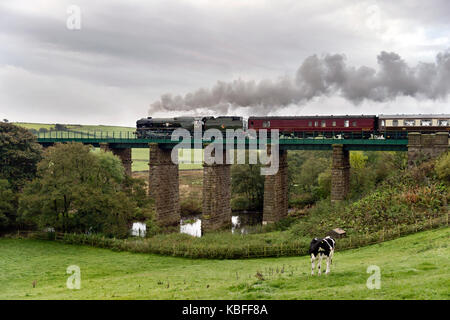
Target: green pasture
{"x":412,"y":267}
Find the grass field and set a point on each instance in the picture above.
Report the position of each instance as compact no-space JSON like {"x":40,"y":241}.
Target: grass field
{"x":412,"y":267}
{"x":141,"y":158}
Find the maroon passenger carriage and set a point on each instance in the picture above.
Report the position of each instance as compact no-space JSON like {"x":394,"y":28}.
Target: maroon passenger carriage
{"x":348,"y":126}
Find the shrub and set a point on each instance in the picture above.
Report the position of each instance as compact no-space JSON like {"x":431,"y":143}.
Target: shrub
{"x":443,"y":167}
{"x":77,"y":190}
{"x":302,"y":200}
{"x":7,"y":205}
{"x":191,"y":205}
{"x":240,"y":203}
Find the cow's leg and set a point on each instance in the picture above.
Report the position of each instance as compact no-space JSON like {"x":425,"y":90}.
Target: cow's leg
{"x":328,"y":264}
{"x":320,"y":263}
{"x":312,"y":263}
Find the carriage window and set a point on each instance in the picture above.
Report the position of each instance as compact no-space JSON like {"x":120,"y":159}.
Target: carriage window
{"x":395,"y":123}
{"x":410,"y":123}
{"x":354,"y":123}
{"x":266,"y":124}
{"x":443,"y":123}
{"x":310,"y":123}
{"x":382,"y":123}
{"x":425,"y":123}
{"x":346,"y":123}
{"x":334,"y":123}
{"x":316,"y":123}
{"x":324,"y":124}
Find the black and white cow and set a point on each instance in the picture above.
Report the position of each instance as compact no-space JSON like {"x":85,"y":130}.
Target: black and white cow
{"x":320,"y":248}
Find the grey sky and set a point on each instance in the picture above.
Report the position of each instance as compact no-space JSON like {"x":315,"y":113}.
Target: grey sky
{"x":130,"y":53}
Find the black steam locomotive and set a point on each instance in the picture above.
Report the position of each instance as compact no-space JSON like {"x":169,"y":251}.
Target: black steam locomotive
{"x":148,"y":128}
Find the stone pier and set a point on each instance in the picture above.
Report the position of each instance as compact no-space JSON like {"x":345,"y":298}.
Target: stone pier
{"x":164,"y":185}
{"x":216,"y":212}
{"x":123,"y":153}
{"x":426,"y":146}
{"x":276,"y":192}
{"x":340,"y":173}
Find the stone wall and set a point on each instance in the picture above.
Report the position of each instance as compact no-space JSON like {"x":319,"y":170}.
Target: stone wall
{"x":276,"y":192}
{"x":426,"y":146}
{"x":340,"y":173}
{"x":216,"y":212}
{"x":123,"y":153}
{"x":164,"y":185}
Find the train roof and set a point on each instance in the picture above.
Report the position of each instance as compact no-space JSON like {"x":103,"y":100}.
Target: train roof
{"x":414,"y":116}
{"x":312,"y":117}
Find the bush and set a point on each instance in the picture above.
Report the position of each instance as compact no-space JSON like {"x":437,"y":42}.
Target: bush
{"x":192,"y":205}
{"x":240,"y":203}
{"x":7,"y":205}
{"x":405,"y":198}
{"x":77,"y":190}
{"x":443,"y":167}
{"x":248,"y":182}
{"x":302,"y":200}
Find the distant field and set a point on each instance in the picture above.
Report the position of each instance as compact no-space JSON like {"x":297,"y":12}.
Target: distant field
{"x":140,"y":156}
{"x":75,"y":127}
{"x":412,"y":267}
{"x":141,"y":159}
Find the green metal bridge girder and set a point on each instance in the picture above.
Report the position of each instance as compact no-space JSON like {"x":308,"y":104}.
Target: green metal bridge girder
{"x":129,"y":140}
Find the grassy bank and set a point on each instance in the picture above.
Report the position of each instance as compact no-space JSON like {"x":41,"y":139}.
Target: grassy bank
{"x":412,"y":267}
{"x":224,"y":245}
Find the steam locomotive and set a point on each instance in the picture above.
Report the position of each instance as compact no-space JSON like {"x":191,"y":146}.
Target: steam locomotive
{"x":354,"y":126}
{"x":163,"y":127}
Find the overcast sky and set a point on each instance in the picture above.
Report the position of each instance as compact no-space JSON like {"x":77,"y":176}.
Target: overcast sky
{"x":128,"y":54}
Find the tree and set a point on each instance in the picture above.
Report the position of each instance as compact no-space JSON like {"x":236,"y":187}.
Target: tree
{"x":78,"y":190}
{"x":7,"y":205}
{"x":247,"y":180}
{"x":19,"y":155}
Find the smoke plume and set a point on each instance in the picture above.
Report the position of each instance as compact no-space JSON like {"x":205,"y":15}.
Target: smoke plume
{"x":320,"y":76}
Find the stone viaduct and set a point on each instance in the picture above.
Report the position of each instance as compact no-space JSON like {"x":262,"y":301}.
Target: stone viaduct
{"x":216,"y":212}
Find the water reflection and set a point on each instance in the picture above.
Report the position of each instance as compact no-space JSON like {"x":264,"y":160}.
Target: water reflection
{"x":240,"y":223}
{"x":139,"y":229}
{"x":191,"y":226}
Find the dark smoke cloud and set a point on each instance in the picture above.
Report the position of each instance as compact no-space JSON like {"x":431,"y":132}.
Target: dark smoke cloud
{"x":319,"y":76}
